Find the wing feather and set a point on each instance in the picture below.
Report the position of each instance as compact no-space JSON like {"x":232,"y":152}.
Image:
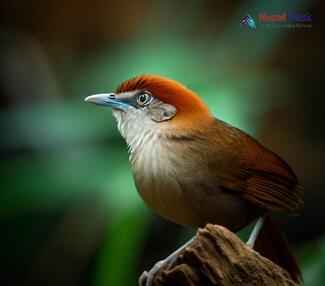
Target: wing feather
{"x":243,"y":165}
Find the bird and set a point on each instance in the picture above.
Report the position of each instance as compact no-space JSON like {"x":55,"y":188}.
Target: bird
{"x":193,"y":168}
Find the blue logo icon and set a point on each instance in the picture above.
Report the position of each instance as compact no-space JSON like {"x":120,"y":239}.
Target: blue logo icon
{"x":248,"y":22}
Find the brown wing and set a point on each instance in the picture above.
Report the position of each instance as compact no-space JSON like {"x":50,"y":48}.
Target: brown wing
{"x":243,"y":165}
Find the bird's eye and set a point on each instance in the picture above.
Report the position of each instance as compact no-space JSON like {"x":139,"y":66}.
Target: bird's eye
{"x":144,"y":98}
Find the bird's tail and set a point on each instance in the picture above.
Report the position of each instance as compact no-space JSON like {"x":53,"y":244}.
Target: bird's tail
{"x":272,"y":244}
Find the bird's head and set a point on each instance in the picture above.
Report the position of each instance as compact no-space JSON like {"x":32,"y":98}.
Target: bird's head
{"x":151,"y":103}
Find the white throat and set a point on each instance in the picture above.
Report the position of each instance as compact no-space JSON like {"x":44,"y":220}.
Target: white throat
{"x":149,"y":147}
{"x":137,"y":130}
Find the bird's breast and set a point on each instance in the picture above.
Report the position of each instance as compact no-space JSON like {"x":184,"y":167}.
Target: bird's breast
{"x":173,"y":179}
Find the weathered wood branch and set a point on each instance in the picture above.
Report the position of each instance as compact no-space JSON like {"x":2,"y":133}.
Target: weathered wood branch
{"x":218,"y":257}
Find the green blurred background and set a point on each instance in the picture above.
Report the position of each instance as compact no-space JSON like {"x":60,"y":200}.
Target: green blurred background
{"x":69,"y":211}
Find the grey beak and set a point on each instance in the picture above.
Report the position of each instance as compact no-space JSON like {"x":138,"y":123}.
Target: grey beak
{"x":101,"y":98}
{"x":107,"y":99}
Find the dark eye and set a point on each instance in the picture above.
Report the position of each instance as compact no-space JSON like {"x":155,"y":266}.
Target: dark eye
{"x":144,"y":98}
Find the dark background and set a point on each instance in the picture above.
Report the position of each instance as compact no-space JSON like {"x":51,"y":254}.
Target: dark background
{"x":69,"y":211}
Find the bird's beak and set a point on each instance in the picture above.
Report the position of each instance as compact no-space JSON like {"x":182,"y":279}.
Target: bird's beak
{"x":107,"y":99}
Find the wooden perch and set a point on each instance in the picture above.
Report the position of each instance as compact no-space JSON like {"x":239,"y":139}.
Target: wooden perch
{"x":218,"y":257}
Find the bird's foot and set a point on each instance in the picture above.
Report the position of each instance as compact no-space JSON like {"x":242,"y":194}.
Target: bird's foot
{"x":149,"y":275}
{"x":250,"y":244}
{"x":256,"y":230}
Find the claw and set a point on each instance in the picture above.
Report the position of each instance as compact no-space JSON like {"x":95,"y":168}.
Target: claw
{"x":250,"y":244}
{"x":142,"y":278}
{"x":150,"y":275}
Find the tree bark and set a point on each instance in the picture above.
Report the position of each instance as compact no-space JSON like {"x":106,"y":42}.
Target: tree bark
{"x":218,"y":257}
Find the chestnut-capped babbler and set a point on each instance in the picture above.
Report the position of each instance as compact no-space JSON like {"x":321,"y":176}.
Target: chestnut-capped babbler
{"x":194,"y":169}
